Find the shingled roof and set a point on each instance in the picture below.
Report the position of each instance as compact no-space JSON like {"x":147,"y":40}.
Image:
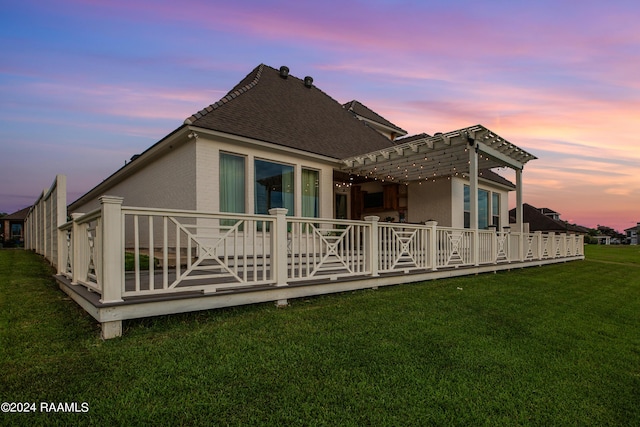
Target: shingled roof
{"x":362,"y":110}
{"x":492,"y":176}
{"x":541,"y":222}
{"x":268,"y":107}
{"x":20,"y":215}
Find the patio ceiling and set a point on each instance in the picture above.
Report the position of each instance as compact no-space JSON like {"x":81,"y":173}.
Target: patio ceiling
{"x":444,"y":154}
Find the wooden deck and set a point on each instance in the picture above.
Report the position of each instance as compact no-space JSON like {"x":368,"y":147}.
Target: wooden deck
{"x":123,"y":263}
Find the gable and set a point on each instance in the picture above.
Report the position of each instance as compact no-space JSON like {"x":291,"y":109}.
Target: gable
{"x":365,"y":113}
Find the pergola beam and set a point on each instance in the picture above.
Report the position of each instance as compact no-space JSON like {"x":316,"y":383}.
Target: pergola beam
{"x":499,"y":156}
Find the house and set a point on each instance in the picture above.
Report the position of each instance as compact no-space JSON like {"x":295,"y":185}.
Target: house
{"x":546,"y":220}
{"x":278,"y":191}
{"x":550,"y":213}
{"x":276,"y":141}
{"x":632,"y":234}
{"x":12,"y":228}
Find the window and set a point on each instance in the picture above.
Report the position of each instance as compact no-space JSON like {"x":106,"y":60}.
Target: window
{"x":467,"y":207}
{"x":483,"y":208}
{"x":341,"y":206}
{"x":232,"y":185}
{"x":273,"y":187}
{"x":16,"y":231}
{"x":495,"y":209}
{"x":310,"y":193}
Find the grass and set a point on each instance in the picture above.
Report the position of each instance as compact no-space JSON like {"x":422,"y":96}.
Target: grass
{"x":130,"y":261}
{"x":555,"y":345}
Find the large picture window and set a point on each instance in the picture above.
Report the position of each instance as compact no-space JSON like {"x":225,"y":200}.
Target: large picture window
{"x":273,"y":187}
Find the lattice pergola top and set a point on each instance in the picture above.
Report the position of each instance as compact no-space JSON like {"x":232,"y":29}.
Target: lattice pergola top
{"x":443,"y":154}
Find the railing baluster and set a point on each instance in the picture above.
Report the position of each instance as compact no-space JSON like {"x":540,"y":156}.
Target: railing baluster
{"x":152,"y":255}
{"x":165,"y":253}
{"x":136,"y":252}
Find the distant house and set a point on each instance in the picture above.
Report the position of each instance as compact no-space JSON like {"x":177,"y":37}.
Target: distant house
{"x":12,"y":228}
{"x":546,"y":220}
{"x":632,"y":234}
{"x":550,"y":213}
{"x":278,"y":141}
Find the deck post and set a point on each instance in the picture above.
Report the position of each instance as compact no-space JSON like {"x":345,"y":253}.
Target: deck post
{"x":62,"y":241}
{"x":552,"y":244}
{"x":77,"y":253}
{"x":112,"y":269}
{"x":432,"y":244}
{"x":279,"y":249}
{"x":111,"y":329}
{"x":371,"y":245}
{"x":519,"y":213}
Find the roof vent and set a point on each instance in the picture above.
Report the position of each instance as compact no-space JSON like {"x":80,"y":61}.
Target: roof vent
{"x":284,"y":71}
{"x":308,"y":81}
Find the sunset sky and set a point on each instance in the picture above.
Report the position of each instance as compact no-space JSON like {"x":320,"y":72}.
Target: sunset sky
{"x":84,"y":85}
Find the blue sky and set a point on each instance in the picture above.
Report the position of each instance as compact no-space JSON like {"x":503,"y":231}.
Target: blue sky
{"x":85,"y":84}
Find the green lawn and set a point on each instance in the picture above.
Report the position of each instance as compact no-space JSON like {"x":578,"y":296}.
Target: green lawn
{"x":554,"y":345}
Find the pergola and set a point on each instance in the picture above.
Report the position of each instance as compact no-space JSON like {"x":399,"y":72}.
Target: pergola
{"x":461,"y":152}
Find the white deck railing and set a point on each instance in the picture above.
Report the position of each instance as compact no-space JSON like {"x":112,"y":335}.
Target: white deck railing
{"x":326,"y":248}
{"x":123,"y":252}
{"x":44,"y":218}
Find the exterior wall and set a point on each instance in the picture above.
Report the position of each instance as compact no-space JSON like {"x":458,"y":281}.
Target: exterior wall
{"x":431,"y":201}
{"x":208,"y":176}
{"x":167,"y":182}
{"x":443,"y":201}
{"x":457,"y":201}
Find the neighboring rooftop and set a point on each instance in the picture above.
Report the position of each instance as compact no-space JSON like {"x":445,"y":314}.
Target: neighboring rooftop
{"x":538,"y":221}
{"x":273,"y":106}
{"x":18,"y":215}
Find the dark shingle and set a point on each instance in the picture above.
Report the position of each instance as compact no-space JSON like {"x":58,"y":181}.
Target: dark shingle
{"x":541,"y":222}
{"x":363,"y":111}
{"x":267,"y":107}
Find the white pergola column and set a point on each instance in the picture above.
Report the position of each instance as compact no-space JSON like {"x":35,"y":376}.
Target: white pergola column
{"x":519,"y":216}
{"x":473,"y":188}
{"x":519,"y":220}
{"x":473,"y":201}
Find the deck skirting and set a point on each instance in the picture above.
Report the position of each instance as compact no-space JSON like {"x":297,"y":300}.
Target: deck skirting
{"x":140,"y":307}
